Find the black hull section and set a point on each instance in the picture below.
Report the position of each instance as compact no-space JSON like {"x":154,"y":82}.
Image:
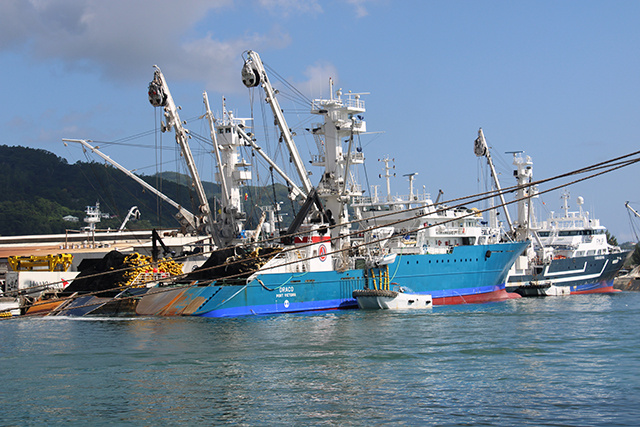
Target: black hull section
{"x":580,"y":274}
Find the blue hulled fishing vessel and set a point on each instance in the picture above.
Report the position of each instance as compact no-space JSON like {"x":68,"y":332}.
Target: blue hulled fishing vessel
{"x":322,"y":258}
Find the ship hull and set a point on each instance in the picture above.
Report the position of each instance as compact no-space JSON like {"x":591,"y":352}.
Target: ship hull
{"x":582,"y":275}
{"x":469,"y":274}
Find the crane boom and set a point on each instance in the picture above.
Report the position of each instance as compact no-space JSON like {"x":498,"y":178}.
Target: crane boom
{"x":186,"y":218}
{"x":631,"y":209}
{"x":159,"y":96}
{"x":295,"y":190}
{"x":254,"y":74}
{"x":481,"y":149}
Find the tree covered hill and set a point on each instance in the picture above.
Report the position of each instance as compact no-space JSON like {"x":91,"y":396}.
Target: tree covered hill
{"x":39,"y":188}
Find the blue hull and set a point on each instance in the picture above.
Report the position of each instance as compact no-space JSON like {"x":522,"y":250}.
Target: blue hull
{"x":468,"y":274}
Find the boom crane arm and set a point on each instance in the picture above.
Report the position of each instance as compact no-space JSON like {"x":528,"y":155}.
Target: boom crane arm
{"x":186,"y":218}
{"x":631,"y":209}
{"x":254,"y":74}
{"x":159,"y":96}
{"x":481,"y":149}
{"x":295,"y":190}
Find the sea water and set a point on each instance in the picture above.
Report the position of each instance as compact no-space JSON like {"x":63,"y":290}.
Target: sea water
{"x":571,"y":361}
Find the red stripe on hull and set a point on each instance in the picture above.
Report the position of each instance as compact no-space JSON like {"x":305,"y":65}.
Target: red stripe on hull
{"x":494,"y":296}
{"x":602,"y":290}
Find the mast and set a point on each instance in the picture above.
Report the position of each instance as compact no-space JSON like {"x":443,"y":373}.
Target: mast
{"x":411,"y":177}
{"x":159,"y":96}
{"x":254,"y":74}
{"x":387,"y":175}
{"x":565,"y":202}
{"x":524,"y":194}
{"x":342,"y":119}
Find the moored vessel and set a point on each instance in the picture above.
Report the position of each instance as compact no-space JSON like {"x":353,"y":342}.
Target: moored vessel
{"x":322,"y":261}
{"x":569,"y":253}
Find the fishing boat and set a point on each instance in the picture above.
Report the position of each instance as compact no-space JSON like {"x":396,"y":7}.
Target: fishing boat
{"x":321,"y":261}
{"x":569,"y":254}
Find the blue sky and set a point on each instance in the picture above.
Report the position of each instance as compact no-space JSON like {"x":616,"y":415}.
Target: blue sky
{"x":557,"y":79}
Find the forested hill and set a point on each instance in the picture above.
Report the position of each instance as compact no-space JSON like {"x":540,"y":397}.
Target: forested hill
{"x":39,"y":188}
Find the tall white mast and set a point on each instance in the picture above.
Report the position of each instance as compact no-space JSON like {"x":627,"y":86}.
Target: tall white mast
{"x":411,"y":177}
{"x":524,"y":194}
{"x":387,"y":175}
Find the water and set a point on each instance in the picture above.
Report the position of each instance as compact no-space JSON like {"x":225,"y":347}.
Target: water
{"x":557,"y":361}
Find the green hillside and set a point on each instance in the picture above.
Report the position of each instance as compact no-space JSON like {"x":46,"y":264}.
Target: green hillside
{"x":39,"y":188}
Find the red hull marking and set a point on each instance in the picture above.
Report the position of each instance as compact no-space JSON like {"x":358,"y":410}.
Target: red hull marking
{"x":602,"y":290}
{"x":500,"y":295}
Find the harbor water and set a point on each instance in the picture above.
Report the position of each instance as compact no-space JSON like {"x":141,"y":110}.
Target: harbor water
{"x":571,"y":361}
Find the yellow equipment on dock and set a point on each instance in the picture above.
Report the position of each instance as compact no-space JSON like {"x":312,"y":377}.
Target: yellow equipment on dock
{"x":59,"y":262}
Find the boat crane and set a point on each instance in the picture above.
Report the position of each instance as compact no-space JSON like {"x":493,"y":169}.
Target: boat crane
{"x":254,"y":74}
{"x":481,"y":149}
{"x":186,"y":219}
{"x":133,"y":212}
{"x":631,"y":209}
{"x":636,"y":214}
{"x":159,"y":96}
{"x":343,"y":120}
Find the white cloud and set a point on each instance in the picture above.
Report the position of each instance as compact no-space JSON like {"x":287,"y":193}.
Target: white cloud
{"x":361,"y":11}
{"x":121,"y":39}
{"x":220,"y":62}
{"x":317,"y":83}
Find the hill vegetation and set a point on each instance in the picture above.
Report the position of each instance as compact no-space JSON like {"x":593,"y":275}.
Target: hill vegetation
{"x":40,"y":188}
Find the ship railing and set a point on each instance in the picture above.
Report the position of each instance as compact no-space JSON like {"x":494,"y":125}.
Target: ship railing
{"x":349,"y":102}
{"x":353,"y":103}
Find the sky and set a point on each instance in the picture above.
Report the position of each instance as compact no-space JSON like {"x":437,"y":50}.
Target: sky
{"x":559,"y":80}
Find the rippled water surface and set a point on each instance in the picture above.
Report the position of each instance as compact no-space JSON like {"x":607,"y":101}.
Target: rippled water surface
{"x":554,"y":361}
